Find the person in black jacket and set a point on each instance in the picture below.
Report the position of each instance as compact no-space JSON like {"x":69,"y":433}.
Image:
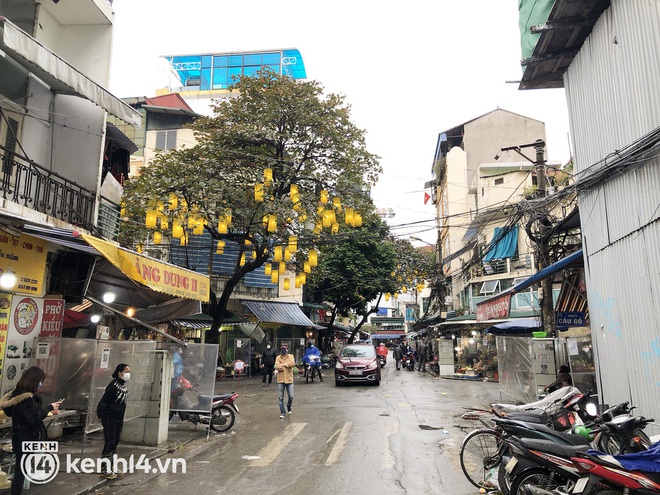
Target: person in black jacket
{"x":111,"y":410}
{"x":268,"y":364}
{"x":27,"y":415}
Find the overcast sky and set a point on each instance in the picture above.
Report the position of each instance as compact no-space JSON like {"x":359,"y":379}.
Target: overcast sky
{"x":410,"y":70}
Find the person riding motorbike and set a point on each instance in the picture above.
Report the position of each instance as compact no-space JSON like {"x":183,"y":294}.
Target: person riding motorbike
{"x":381,"y":350}
{"x":312,"y":350}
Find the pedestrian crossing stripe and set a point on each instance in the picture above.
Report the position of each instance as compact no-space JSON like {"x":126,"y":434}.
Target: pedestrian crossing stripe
{"x":275,"y":447}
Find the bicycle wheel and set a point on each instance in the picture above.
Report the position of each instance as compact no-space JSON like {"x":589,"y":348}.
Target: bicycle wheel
{"x":479,"y":457}
{"x":539,"y":477}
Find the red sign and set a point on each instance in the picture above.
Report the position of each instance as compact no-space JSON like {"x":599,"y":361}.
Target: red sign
{"x":52,"y":320}
{"x":497,"y":307}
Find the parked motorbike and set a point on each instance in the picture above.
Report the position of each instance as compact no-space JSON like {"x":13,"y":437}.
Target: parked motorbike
{"x":547,"y":464}
{"x":222,"y":406}
{"x":328,"y":361}
{"x":636,"y":473}
{"x":382,"y":361}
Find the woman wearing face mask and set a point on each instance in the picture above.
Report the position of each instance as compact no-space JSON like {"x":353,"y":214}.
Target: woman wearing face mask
{"x":268,"y":364}
{"x":111,"y":410}
{"x":27,"y":415}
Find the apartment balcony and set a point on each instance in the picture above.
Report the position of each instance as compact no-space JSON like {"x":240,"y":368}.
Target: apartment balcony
{"x":521,"y":302}
{"x":517,"y":265}
{"x":28,"y":185}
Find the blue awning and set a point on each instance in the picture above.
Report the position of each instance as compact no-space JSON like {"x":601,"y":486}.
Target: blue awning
{"x":387,"y":335}
{"x":503,"y":245}
{"x":288,"y":313}
{"x":548,"y":270}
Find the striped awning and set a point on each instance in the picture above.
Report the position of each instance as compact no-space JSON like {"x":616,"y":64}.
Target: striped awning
{"x":288,"y":313}
{"x":195,"y":325}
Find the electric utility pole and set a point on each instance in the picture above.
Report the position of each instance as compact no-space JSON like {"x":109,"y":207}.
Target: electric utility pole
{"x":542,"y":239}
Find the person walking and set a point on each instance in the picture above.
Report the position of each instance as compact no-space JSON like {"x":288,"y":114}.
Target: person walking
{"x":284,"y":364}
{"x":111,"y":410}
{"x":422,"y":356}
{"x":268,"y":357}
{"x":24,"y":407}
{"x":177,"y":363}
{"x":397,"y":354}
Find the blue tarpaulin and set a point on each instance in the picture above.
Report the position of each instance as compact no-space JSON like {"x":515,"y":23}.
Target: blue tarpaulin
{"x":518,"y":326}
{"x":504,"y":244}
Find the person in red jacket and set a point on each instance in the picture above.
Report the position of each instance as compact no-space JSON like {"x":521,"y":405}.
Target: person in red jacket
{"x":381,"y":350}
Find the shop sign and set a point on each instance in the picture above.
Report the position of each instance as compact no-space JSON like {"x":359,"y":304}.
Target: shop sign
{"x":571,"y":319}
{"x":156,"y":275}
{"x":497,"y":307}
{"x":26,"y":257}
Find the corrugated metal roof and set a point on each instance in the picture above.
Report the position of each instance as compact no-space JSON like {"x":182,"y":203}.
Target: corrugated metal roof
{"x":279,"y":312}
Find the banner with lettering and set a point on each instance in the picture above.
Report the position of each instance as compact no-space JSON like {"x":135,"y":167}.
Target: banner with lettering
{"x":5,"y":312}
{"x":25,"y":320}
{"x":156,"y":275}
{"x":47,"y":353}
{"x":26,"y":257}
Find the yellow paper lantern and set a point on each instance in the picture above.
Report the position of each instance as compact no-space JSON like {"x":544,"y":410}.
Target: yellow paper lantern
{"x":334,"y":228}
{"x":297,"y":281}
{"x":268,"y":268}
{"x":274,"y":276}
{"x":177,"y":228}
{"x":198,"y":228}
{"x":387,"y":296}
{"x":287,"y":254}
{"x":277,"y":253}
{"x":357,"y":219}
{"x":404,"y":289}
{"x":139,"y":248}
{"x":348,"y":216}
{"x":336,"y":202}
{"x":272,"y":223}
{"x":242,"y":260}
{"x":303,"y":278}
{"x":281,"y":267}
{"x":158,"y":237}
{"x":293,"y":189}
{"x":287,"y":284}
{"x":268,"y":176}
{"x":150,"y":221}
{"x":395,"y":295}
{"x":228,"y":217}
{"x":327,"y":218}
{"x":173,"y":202}
{"x":258,"y":192}
{"x":164,"y":223}
{"x":160,"y":206}
{"x":306,"y":267}
{"x":313,"y":257}
{"x":254,"y":255}
{"x":183,"y":241}
{"x":222,"y":227}
{"x":220,"y":248}
{"x":293,"y":243}
{"x":324,"y":196}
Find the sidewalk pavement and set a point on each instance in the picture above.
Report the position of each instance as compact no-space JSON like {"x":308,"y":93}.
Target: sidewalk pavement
{"x":184,"y":441}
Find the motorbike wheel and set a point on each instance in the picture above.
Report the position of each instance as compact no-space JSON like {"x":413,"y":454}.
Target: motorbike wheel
{"x":222,"y":418}
{"x":536,"y":476}
{"x":478,"y":456}
{"x":504,"y":480}
{"x":610,"y":444}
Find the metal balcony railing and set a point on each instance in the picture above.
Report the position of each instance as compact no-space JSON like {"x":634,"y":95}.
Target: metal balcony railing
{"x":28,"y":184}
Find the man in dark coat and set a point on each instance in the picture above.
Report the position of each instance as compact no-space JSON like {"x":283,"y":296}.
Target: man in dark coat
{"x":268,"y":364}
{"x":397,"y":354}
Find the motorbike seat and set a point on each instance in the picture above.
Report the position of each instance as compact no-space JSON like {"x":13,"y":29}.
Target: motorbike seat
{"x":563,"y":437}
{"x":207,"y":399}
{"x":529,"y":418}
{"x":553,"y":448}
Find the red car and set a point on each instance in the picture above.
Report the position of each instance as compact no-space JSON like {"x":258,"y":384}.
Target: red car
{"x":357,"y":363}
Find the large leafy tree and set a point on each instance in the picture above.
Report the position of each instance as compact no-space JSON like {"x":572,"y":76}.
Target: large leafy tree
{"x":355,"y":270}
{"x":277,"y":164}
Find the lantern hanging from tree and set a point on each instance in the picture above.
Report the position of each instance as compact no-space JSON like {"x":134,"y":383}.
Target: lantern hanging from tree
{"x":150,"y":222}
{"x":274,"y":276}
{"x":158,"y":237}
{"x":177,"y":228}
{"x":287,"y":283}
{"x":268,"y":268}
{"x":220,"y":247}
{"x":277,"y":253}
{"x":312,"y":257}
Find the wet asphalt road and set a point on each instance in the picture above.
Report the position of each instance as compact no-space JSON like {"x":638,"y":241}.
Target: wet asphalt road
{"x":399,"y":438}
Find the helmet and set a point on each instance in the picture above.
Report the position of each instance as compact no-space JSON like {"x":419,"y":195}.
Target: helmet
{"x":583,"y":431}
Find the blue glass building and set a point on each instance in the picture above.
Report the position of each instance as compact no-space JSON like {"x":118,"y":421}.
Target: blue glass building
{"x":213,"y":72}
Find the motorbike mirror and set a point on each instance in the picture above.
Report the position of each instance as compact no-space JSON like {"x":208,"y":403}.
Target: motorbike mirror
{"x":592,"y":410}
